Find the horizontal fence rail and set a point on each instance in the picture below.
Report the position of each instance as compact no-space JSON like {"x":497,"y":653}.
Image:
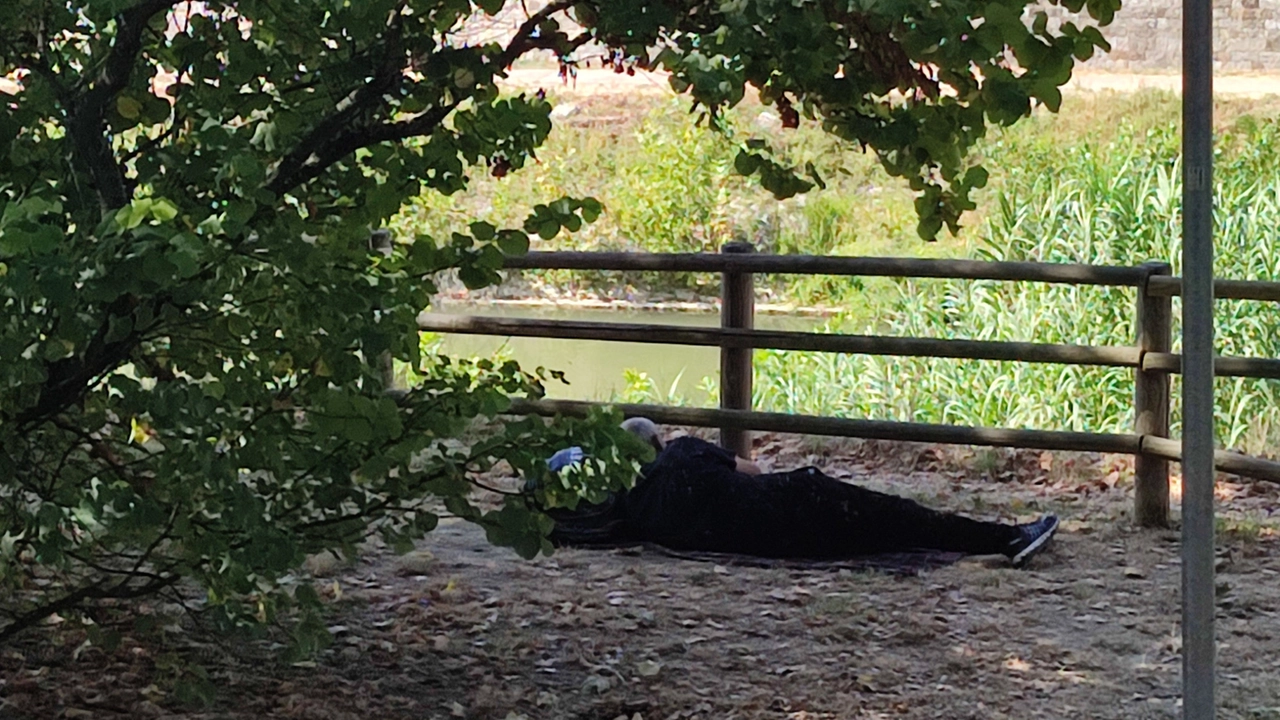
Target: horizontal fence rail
{"x":845,"y":427}
{"x":1224,"y":460}
{"x":1170,"y":286}
{"x":1223,"y":366}
{"x":1066,"y":273}
{"x":828,"y":265}
{"x":782,"y":340}
{"x":1150,"y":357}
{"x":903,"y":431}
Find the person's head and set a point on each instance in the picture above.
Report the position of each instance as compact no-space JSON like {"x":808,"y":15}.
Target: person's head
{"x":646,"y":430}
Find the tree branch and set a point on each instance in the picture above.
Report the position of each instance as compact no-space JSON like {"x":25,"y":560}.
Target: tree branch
{"x":101,"y":450}
{"x":524,"y":40}
{"x":319,"y":160}
{"x":317,"y":148}
{"x":87,"y":113}
{"x":71,"y":601}
{"x":69,"y":378}
{"x":334,"y":138}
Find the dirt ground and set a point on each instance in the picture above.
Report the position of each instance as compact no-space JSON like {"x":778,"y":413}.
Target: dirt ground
{"x":459,"y":629}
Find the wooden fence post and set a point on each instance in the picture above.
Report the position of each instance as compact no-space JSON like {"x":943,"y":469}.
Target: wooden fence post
{"x":737,"y":310}
{"x":380,"y":242}
{"x":1151,"y":402}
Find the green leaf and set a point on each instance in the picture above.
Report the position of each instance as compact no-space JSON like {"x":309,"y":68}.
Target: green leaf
{"x":1104,"y":11}
{"x":187,"y":253}
{"x":513,"y":242}
{"x":163,"y":210}
{"x":562,"y":207}
{"x":929,"y":227}
{"x":591,"y":209}
{"x":129,"y":108}
{"x":475,"y":278}
{"x":976,"y":177}
{"x":35,"y":239}
{"x":548,"y":229}
{"x":1093,"y":35}
{"x":132,"y":215}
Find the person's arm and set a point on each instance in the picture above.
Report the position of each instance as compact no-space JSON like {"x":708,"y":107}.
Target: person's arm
{"x":692,"y":449}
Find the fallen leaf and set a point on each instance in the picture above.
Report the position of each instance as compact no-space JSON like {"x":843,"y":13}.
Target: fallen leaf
{"x":598,"y":684}
{"x":1017,"y":664}
{"x":648,"y":668}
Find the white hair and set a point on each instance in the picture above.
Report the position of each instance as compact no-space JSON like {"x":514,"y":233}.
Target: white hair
{"x":645,"y":429}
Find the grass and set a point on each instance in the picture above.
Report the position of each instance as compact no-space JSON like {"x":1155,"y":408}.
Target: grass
{"x":668,"y":186}
{"x":1061,"y":198}
{"x":1098,"y":183}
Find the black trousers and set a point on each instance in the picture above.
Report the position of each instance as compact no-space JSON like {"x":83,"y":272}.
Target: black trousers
{"x":797,"y":514}
{"x":858,"y":521}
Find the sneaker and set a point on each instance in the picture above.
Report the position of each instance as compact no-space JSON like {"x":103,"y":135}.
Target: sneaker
{"x":1032,"y":538}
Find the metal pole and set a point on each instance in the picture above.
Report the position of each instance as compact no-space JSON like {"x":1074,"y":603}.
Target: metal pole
{"x":737,"y":310}
{"x":1151,"y":403}
{"x":1198,"y":650}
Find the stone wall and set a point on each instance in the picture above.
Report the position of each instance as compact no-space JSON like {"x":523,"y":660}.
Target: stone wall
{"x":1147,"y":36}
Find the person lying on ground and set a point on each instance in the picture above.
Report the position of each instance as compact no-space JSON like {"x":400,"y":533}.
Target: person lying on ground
{"x":696,"y":496}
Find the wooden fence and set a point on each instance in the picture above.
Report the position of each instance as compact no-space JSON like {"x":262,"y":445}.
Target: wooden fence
{"x":1149,"y":356}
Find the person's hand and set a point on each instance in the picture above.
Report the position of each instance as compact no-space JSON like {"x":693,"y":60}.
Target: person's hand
{"x":746,"y":467}
{"x":565,"y":458}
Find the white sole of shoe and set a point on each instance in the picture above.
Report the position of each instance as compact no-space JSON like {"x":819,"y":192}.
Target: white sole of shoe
{"x":1021,"y":558}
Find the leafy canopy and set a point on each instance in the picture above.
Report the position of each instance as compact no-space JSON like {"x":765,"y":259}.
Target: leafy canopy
{"x":915,"y":81}
{"x":196,"y":330}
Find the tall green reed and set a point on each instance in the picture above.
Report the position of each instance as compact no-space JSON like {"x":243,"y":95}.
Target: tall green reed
{"x":1114,"y":202}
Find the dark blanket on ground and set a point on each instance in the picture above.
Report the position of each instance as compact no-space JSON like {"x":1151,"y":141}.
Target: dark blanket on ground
{"x":692,"y":499}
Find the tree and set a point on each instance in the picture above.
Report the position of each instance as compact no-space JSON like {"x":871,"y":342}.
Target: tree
{"x":195,"y":327}
{"x":193,"y":316}
{"x":915,"y":82}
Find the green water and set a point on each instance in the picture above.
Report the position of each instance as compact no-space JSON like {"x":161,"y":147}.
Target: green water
{"x":595,"y":368}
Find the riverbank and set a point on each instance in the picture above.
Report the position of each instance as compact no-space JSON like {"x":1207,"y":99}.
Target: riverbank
{"x":459,"y":303}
